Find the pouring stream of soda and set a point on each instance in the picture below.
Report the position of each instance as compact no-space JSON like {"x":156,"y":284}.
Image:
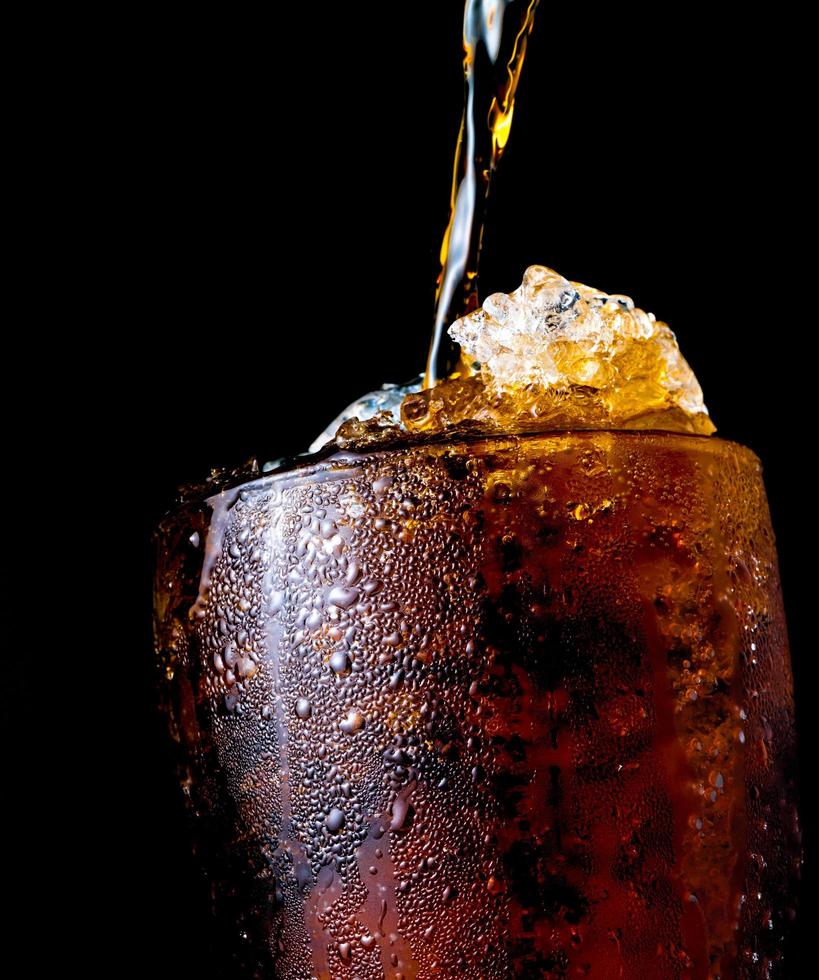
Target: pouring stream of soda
{"x":495,"y":36}
{"x":495,"y":41}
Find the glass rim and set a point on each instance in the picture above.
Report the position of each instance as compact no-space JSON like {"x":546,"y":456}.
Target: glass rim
{"x":251,"y":472}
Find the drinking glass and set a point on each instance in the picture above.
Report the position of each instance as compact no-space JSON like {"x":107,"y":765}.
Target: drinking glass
{"x":486,"y":707}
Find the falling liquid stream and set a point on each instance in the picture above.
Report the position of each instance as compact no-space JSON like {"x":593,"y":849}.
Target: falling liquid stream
{"x":493,"y":61}
{"x":495,"y":37}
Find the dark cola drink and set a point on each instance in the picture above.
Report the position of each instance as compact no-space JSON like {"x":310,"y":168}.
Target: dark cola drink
{"x":487,"y":708}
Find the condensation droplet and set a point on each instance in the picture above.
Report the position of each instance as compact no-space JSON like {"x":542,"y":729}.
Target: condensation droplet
{"x":352,"y":723}
{"x":343,"y":598}
{"x":335,"y":820}
{"x":340,"y":662}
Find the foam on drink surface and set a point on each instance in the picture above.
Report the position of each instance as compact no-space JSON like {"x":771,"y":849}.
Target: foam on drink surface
{"x":554,"y":354}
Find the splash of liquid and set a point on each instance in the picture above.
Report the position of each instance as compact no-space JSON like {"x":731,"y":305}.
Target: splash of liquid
{"x":551,"y":355}
{"x":493,"y":61}
{"x":494,"y":50}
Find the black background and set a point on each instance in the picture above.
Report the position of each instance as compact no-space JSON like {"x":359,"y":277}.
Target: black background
{"x":269,"y":205}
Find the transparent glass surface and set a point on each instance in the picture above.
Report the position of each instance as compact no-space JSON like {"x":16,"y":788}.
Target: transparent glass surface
{"x":498,"y":707}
